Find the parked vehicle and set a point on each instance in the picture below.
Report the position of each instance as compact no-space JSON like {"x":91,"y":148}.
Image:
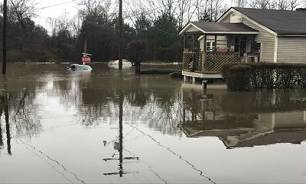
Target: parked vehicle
{"x":77,"y":67}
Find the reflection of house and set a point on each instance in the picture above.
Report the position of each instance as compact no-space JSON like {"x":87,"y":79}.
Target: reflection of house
{"x":244,"y":35}
{"x":240,"y":127}
{"x":271,"y":129}
{"x":267,"y":129}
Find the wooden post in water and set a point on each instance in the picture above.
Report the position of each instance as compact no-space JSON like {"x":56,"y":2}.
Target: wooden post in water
{"x":4,"y":37}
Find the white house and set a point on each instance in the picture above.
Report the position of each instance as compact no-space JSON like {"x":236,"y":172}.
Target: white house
{"x":244,"y":35}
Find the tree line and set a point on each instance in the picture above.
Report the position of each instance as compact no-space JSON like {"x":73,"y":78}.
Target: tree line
{"x":156,"y":23}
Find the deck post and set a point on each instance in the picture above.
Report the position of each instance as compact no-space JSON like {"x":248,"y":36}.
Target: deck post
{"x":184,"y":41}
{"x":204,"y":53}
{"x":204,"y":85}
{"x":216,"y":40}
{"x":193,"y":80}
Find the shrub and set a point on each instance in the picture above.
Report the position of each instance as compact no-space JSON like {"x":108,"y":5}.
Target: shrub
{"x":239,"y":77}
{"x":264,"y":75}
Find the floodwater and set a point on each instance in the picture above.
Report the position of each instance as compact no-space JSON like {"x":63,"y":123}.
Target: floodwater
{"x":111,"y":127}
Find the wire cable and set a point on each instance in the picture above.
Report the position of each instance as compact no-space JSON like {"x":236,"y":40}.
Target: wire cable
{"x":55,"y":5}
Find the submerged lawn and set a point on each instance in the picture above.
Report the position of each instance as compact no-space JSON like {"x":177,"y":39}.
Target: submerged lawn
{"x":65,"y":128}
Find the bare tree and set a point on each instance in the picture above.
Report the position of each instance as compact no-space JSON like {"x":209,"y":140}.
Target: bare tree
{"x":287,"y":4}
{"x":240,"y":3}
{"x":60,"y":23}
{"x":262,"y":4}
{"x":95,"y":8}
{"x":203,"y":9}
{"x":293,"y":4}
{"x":282,"y":4}
{"x":209,"y":10}
{"x":21,"y":10}
{"x":185,"y":11}
{"x":168,"y":7}
{"x":218,"y":9}
{"x":275,"y":4}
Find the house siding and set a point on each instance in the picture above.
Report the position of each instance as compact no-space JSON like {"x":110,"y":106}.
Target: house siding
{"x":266,"y":38}
{"x":291,"y":50}
{"x":227,"y":19}
{"x":192,"y":29}
{"x":267,"y":41}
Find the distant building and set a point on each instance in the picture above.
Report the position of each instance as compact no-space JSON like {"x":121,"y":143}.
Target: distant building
{"x":244,"y":35}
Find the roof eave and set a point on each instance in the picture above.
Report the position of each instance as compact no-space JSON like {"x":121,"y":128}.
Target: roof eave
{"x":291,"y":35}
{"x":236,"y":32}
{"x":249,"y":18}
{"x":188,"y":26}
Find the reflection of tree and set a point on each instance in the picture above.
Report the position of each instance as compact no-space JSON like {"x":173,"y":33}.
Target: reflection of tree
{"x":264,"y":101}
{"x":24,"y":113}
{"x":151,"y":100}
{"x":146,"y":100}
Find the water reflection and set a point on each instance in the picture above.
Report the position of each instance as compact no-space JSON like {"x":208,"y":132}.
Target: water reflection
{"x":146,"y":100}
{"x":72,"y":122}
{"x":4,"y":109}
{"x":118,"y":146}
{"x":245,"y":119}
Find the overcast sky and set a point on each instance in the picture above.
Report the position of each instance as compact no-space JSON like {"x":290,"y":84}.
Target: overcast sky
{"x":58,"y":8}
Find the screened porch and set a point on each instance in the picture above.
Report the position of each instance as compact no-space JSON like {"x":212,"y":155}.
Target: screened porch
{"x":207,"y":51}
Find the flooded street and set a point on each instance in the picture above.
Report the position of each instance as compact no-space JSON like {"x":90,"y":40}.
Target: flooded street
{"x":111,"y":127}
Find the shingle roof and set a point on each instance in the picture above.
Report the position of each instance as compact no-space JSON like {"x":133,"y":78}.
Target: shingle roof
{"x":212,"y":27}
{"x":282,"y":22}
{"x":283,"y":136}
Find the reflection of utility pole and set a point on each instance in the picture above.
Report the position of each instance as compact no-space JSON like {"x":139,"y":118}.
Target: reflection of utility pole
{"x":120,"y":34}
{"x":119,"y":146}
{"x":5,"y":110}
{"x":4,"y":36}
{"x":7,"y":125}
{"x":1,"y":138}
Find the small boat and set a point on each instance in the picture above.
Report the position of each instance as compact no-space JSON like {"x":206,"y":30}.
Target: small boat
{"x":81,"y":68}
{"x":115,"y":64}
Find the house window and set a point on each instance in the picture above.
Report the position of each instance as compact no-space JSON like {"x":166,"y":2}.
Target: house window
{"x":210,"y":46}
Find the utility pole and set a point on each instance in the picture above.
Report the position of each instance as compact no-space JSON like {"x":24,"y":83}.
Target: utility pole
{"x":4,"y":36}
{"x":85,"y":42}
{"x":120,"y":34}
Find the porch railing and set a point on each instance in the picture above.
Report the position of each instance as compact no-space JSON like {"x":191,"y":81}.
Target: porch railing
{"x":215,"y":60}
{"x":211,"y":62}
{"x":192,"y":61}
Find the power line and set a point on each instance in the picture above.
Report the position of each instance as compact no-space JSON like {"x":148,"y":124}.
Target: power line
{"x":55,"y":5}
{"x":201,"y":173}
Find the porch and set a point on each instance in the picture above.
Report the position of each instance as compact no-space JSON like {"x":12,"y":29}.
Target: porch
{"x":209,"y":46}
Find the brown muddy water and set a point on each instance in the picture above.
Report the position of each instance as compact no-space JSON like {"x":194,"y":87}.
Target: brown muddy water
{"x":64,"y":127}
